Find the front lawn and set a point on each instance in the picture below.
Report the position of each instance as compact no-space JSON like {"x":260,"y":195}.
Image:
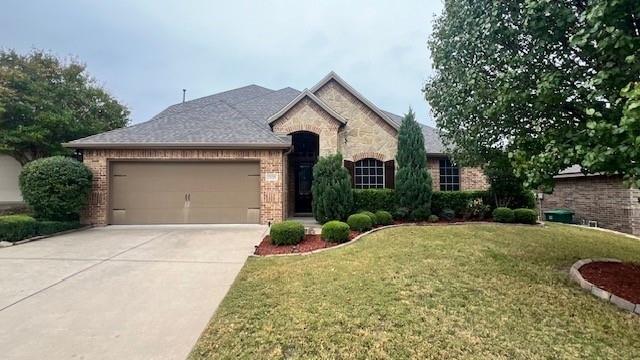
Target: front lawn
{"x":466,"y":291}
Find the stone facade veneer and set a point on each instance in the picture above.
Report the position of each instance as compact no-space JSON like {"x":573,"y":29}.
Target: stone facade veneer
{"x":271,"y":161}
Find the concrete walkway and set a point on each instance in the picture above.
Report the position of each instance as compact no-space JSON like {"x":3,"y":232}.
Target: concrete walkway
{"x":120,"y":292}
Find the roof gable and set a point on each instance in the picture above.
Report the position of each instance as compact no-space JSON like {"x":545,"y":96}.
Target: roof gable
{"x":333,"y":76}
{"x":306,"y":94}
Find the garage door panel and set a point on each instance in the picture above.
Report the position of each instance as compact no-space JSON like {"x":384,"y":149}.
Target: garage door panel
{"x":154,"y":192}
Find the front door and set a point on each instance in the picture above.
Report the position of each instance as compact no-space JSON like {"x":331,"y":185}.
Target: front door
{"x":303,"y":179}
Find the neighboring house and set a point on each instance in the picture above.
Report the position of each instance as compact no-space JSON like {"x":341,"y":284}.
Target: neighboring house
{"x":597,"y":198}
{"x":246,"y":156}
{"x":9,"y":190}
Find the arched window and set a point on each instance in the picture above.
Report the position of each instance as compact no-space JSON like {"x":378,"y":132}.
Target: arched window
{"x":369,"y":174}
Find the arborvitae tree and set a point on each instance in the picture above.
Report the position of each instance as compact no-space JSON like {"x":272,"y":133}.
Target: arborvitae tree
{"x":413,"y":182}
{"x":332,"y":196}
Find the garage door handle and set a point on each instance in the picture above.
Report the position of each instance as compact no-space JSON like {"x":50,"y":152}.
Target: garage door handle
{"x":189,"y":196}
{"x":185,"y":197}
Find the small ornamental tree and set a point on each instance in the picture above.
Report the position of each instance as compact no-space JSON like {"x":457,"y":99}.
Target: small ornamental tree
{"x":413,"y":182}
{"x":331,"y":188}
{"x":56,"y":188}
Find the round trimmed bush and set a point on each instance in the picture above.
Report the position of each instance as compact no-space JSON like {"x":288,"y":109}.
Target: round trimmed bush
{"x":433,"y":218}
{"x":383,"y":217}
{"x":335,"y":231}
{"x":503,"y":215}
{"x":56,"y":188}
{"x":287,"y":233}
{"x":360,"y":222}
{"x":525,"y":216}
{"x":17,"y":227}
{"x":448,"y":214}
{"x":372,"y":216}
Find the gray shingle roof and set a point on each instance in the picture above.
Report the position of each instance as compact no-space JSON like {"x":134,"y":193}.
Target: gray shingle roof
{"x":234,"y":118}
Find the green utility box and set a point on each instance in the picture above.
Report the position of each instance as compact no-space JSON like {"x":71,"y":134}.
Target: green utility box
{"x":559,"y":215}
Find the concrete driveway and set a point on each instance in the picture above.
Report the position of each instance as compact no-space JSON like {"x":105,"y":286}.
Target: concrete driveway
{"x":119,"y":292}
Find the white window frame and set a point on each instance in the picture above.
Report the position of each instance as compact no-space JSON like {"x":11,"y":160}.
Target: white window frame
{"x":358,"y":178}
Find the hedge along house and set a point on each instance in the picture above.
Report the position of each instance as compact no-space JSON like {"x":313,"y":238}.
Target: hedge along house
{"x":597,"y":200}
{"x":246,"y":156}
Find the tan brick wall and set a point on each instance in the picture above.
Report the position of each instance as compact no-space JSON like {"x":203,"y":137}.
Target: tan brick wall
{"x":308,"y":116}
{"x":471,"y":178}
{"x":365,"y":132}
{"x":600,"y":198}
{"x":271,"y":161}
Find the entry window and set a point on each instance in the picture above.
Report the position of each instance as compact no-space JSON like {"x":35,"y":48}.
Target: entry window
{"x":449,"y":176}
{"x":369,"y":174}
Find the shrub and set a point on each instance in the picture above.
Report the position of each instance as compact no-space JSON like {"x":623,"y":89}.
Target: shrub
{"x":383,"y":218}
{"x":525,"y":216}
{"x":52,"y":227}
{"x":372,"y":216}
{"x":448,"y":214}
{"x":287,"y":233}
{"x":56,"y":188}
{"x":401,"y":213}
{"x":360,"y":222}
{"x":373,"y":200}
{"x":433,"y":218}
{"x":335,"y":231}
{"x":413,"y":181}
{"x":456,"y":200}
{"x":475,"y":209}
{"x":503,"y":215}
{"x":331,"y":188}
{"x":17,"y":227}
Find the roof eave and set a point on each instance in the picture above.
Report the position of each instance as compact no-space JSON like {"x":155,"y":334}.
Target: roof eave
{"x":257,"y":146}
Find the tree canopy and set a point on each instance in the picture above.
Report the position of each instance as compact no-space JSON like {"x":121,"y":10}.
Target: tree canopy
{"x":550,"y":83}
{"x":45,"y":102}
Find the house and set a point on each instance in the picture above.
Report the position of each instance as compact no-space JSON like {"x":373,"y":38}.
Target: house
{"x":246,"y":156}
{"x":600,"y":199}
{"x":10,"y":169}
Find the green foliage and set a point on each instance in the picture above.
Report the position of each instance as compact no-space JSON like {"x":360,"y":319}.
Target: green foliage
{"x":372,"y":216}
{"x":45,"y":102}
{"x":455,"y":200}
{"x":401,"y":213}
{"x":17,"y":227}
{"x":505,"y":187}
{"x":360,"y":222}
{"x":551,"y":83}
{"x":433,"y":218}
{"x":475,"y":209}
{"x":52,"y":227}
{"x":56,"y":188}
{"x":525,"y":216}
{"x":336,"y":231}
{"x":331,"y":188}
{"x":373,"y":199}
{"x":448,"y":214}
{"x":503,"y":215}
{"x":287,"y":233}
{"x":383,"y":218}
{"x":413,"y":182}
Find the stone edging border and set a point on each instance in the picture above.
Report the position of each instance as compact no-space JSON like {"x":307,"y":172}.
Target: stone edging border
{"x":541,"y":224}
{"x":40,"y":237}
{"x":574,"y":274}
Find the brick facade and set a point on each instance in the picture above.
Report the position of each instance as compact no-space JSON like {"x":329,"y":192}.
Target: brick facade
{"x":604,"y":199}
{"x":471,"y":178}
{"x":271,"y":161}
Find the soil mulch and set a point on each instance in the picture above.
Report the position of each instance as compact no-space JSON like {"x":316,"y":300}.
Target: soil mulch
{"x":620,"y":279}
{"x":310,"y":242}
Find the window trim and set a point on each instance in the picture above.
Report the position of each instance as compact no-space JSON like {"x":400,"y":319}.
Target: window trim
{"x":446,"y":180}
{"x":379,"y":164}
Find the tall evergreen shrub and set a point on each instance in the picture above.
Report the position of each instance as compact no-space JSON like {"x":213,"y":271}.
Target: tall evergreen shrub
{"x":413,"y":182}
{"x":332,"y":195}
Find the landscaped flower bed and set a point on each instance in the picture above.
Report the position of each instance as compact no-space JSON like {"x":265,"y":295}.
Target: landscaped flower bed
{"x":620,"y":279}
{"x":310,"y":243}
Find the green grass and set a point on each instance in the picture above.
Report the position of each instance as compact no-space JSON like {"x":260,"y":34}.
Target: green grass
{"x":472,"y":291}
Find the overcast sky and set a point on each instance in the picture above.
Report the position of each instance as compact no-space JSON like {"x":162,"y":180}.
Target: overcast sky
{"x":145,"y":52}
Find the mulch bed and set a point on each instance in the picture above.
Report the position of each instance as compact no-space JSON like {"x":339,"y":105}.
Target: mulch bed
{"x":310,"y":242}
{"x":620,"y":279}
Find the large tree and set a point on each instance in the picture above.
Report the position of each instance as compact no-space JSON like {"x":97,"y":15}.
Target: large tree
{"x":45,"y":102}
{"x":413,"y":182}
{"x":551,"y":83}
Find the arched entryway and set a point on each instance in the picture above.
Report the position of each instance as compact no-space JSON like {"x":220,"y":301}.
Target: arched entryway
{"x":306,"y":147}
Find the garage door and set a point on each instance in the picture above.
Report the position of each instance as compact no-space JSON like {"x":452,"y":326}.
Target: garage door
{"x":185,"y":192}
